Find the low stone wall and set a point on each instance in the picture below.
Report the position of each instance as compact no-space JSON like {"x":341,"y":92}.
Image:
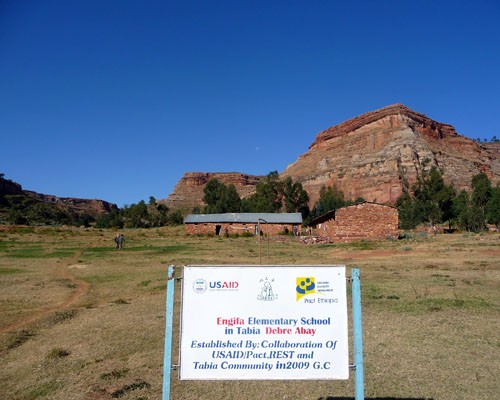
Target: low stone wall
{"x":232,"y":229}
{"x":365,"y":221}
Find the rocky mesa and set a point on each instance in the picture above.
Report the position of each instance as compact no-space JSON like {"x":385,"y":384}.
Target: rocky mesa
{"x":374,"y":156}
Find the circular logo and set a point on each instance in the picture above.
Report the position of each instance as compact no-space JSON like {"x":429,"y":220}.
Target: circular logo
{"x":200,"y":285}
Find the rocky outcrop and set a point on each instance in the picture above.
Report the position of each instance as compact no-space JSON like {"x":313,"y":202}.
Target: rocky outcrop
{"x":8,"y":187}
{"x":92,"y":207}
{"x":188,"y":193}
{"x":376,"y":155}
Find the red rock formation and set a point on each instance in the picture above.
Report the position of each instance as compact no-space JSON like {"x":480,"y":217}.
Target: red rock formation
{"x":376,"y":155}
{"x":373,"y":156}
{"x":188,"y":193}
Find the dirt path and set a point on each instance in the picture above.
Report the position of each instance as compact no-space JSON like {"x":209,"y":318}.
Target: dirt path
{"x":81,"y":287}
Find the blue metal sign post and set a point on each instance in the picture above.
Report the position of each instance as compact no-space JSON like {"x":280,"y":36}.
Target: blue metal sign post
{"x":167,"y":360}
{"x":359,"y":385}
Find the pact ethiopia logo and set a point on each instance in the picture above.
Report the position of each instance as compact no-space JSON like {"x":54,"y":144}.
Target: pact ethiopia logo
{"x":305,"y":286}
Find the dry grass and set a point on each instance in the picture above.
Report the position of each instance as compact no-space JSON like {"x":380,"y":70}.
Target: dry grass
{"x":81,"y":320}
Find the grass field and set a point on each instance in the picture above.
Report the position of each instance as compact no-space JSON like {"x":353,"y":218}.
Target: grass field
{"x":82,"y":320}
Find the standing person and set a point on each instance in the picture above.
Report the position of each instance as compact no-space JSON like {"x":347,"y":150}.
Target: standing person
{"x":117,"y":239}
{"x":121,"y":239}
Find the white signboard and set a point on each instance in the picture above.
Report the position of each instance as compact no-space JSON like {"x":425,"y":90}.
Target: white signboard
{"x":265,"y":322}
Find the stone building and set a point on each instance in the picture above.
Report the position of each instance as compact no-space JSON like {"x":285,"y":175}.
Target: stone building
{"x":240,"y":223}
{"x":363,"y":221}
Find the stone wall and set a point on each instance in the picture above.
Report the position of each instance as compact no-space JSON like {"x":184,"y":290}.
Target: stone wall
{"x":365,"y":221}
{"x":236,"y":228}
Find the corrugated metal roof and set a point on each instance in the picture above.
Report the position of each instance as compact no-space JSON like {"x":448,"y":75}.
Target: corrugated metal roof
{"x":245,"y":218}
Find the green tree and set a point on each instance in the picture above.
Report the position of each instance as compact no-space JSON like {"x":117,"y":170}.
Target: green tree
{"x":157,"y":214}
{"x":175,"y":218}
{"x":493,"y":207}
{"x":408,"y":217}
{"x":481,"y":190}
{"x":137,"y":215}
{"x":231,"y":201}
{"x":433,"y":198}
{"x":481,"y":194}
{"x":111,"y":220}
{"x":432,"y":201}
{"x":273,"y":195}
{"x":296,"y":198}
{"x":330,"y":198}
{"x":213,"y":192}
{"x":220,"y":198}
{"x":468,"y":216}
{"x":461,"y":206}
{"x":267,"y":197}
{"x":17,"y":217}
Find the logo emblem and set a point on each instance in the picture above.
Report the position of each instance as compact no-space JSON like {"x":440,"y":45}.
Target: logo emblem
{"x":305,"y":286}
{"x":200,"y":285}
{"x":266,"y":291}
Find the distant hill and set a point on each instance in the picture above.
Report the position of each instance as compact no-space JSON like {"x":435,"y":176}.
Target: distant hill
{"x":25,"y":206}
{"x":373,"y":156}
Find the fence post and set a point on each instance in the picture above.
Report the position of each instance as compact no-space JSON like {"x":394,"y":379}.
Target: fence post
{"x":359,"y":385}
{"x":169,"y":317}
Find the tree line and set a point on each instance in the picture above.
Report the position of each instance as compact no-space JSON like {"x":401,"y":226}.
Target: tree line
{"x":141,"y":215}
{"x":24,"y":210}
{"x":272,"y":195}
{"x":429,"y":201}
{"x":434,"y":202}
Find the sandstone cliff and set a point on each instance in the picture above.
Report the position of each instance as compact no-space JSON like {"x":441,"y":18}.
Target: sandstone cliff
{"x":188,"y":193}
{"x":373,"y":156}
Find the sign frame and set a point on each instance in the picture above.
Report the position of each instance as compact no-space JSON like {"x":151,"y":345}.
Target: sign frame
{"x":264,"y":323}
{"x":356,"y":315}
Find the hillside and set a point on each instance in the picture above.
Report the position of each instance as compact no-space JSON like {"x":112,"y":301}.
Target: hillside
{"x":13,"y":198}
{"x":373,"y":156}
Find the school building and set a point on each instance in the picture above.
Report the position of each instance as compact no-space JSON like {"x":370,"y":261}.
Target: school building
{"x":239,"y":223}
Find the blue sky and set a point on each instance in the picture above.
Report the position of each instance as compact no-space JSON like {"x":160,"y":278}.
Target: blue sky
{"x":117,"y":99}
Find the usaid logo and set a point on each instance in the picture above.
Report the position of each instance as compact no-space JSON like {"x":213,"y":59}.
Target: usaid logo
{"x":224,"y":285}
